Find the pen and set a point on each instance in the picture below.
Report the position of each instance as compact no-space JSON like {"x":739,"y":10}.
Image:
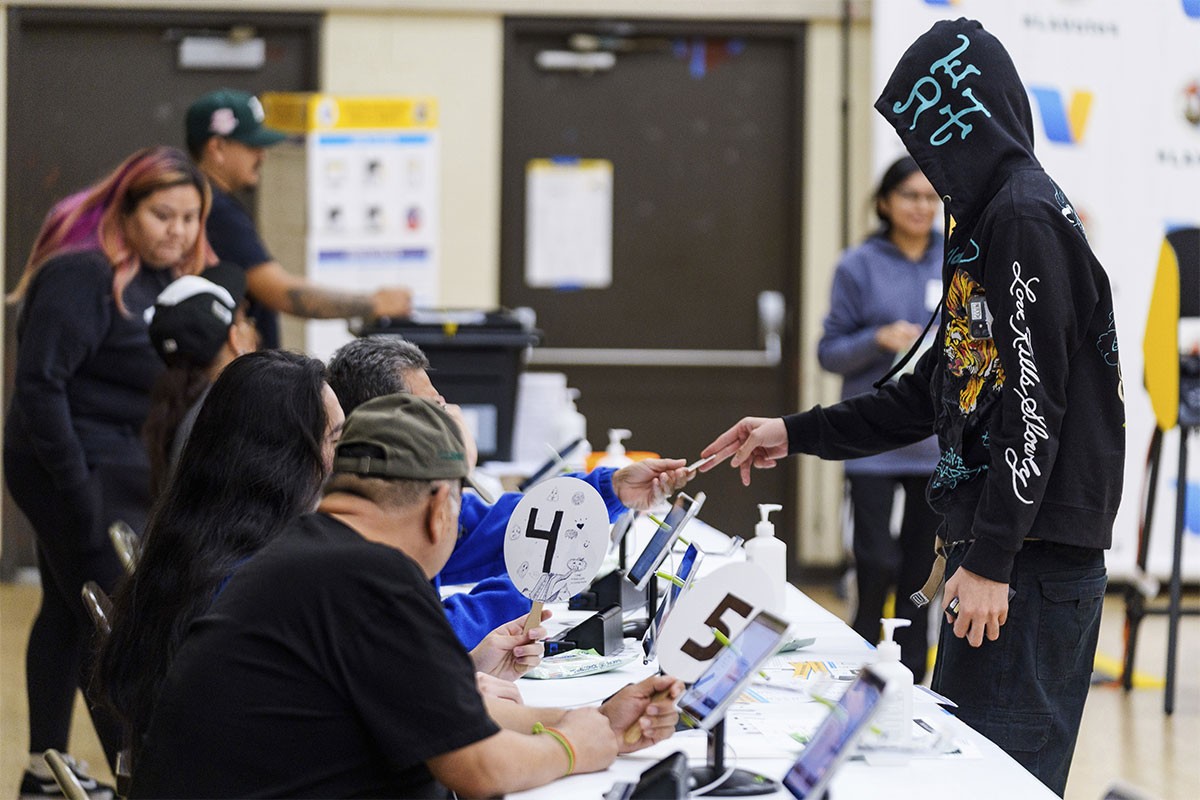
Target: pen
{"x":559,"y":455}
{"x":695,"y":465}
{"x":658,"y":522}
{"x":666,"y":576}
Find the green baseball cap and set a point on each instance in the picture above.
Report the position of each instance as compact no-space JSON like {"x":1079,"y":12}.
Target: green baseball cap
{"x":405,"y":436}
{"x":231,"y":114}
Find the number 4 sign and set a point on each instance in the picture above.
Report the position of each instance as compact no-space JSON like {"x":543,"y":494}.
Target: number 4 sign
{"x":556,"y":539}
{"x":724,"y":600}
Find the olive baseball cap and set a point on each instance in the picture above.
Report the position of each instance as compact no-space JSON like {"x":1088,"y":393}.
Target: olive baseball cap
{"x":231,"y":114}
{"x":401,"y":436}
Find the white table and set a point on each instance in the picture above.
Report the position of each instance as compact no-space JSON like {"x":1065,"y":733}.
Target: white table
{"x":987,"y":772}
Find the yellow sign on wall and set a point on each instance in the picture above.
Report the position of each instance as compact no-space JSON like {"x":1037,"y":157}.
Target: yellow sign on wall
{"x":308,"y":112}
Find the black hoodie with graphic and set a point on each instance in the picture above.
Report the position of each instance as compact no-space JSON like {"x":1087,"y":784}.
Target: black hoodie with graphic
{"x":1024,"y":392}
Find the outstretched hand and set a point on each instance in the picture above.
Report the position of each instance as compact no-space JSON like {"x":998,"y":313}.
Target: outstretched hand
{"x":752,"y":442}
{"x":509,"y":651}
{"x":391,"y":301}
{"x":644,"y":484}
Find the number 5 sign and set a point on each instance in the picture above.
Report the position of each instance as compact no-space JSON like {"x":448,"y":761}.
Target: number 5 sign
{"x":725,"y":600}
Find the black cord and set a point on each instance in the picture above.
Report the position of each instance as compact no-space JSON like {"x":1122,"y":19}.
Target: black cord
{"x":899,"y":365}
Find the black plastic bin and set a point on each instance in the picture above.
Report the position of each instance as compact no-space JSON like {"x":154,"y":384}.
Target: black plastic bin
{"x":476,"y":358}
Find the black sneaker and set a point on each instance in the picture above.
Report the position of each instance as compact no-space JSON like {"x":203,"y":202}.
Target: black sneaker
{"x":35,"y":788}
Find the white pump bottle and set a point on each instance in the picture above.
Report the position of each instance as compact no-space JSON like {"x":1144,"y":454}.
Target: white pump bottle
{"x":769,"y":553}
{"x":614,"y":454}
{"x":894,"y":719}
{"x":572,"y":426}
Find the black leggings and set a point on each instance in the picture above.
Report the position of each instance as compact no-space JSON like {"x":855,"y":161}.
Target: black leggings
{"x":72,"y":548}
{"x":882,"y":563}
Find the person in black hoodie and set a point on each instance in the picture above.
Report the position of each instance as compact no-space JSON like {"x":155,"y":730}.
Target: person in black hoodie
{"x":1024,"y":394}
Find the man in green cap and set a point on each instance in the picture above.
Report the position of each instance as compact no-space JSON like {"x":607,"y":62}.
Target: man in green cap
{"x":326,"y":667}
{"x":227,"y":138}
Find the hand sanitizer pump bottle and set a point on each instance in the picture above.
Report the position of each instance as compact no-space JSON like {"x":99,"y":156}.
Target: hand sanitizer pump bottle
{"x":614,"y":454}
{"x":769,"y":553}
{"x":894,"y":719}
{"x":571,"y":427}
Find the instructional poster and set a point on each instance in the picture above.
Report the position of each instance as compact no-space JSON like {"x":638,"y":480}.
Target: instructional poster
{"x":568,"y":223}
{"x":371,"y":167}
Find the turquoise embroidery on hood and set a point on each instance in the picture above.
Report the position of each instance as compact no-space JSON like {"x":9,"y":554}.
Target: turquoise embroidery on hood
{"x":933,"y":94}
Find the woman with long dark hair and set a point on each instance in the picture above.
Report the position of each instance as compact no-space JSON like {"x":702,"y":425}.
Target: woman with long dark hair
{"x":884,"y":291}
{"x":260,"y":449}
{"x":73,"y":460}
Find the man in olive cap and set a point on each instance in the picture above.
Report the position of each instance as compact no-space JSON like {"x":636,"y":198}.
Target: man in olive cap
{"x":227,"y":138}
{"x":326,"y":667}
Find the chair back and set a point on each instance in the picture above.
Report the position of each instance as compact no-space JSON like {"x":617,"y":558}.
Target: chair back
{"x":99,"y":607}
{"x":127,"y":544}
{"x":71,"y":788}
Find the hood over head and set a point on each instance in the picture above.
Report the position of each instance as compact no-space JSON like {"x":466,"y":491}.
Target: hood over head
{"x":960,"y":108}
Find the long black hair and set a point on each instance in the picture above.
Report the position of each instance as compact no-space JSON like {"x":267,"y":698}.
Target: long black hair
{"x":170,"y":400}
{"x":252,"y":464}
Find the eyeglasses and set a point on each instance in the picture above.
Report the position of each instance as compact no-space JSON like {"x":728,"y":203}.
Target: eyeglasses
{"x":909,"y":196}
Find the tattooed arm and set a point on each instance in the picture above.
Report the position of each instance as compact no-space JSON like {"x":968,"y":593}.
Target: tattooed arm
{"x":276,"y":288}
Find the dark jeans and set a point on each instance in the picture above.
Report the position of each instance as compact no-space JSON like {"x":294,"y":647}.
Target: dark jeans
{"x":881,"y":562}
{"x":1025,"y":691}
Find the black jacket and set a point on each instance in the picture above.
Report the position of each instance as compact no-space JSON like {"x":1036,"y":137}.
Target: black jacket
{"x":1027,"y":403}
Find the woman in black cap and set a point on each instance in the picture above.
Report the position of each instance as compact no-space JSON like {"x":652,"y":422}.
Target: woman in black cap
{"x":198,"y":325}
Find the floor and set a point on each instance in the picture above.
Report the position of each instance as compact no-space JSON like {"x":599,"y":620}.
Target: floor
{"x":1124,"y":737}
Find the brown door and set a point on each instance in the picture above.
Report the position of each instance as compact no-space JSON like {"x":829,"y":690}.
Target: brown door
{"x":701,"y":123}
{"x":87,"y":88}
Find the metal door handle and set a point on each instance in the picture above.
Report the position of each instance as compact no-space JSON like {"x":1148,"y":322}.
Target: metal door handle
{"x":772,"y":311}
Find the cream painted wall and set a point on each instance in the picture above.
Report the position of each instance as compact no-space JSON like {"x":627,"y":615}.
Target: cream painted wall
{"x":825,"y":203}
{"x":456,"y":59}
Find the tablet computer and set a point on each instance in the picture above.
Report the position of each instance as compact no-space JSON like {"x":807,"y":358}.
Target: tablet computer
{"x":621,"y":527}
{"x":834,"y":738}
{"x":706,"y":702}
{"x":686,"y":575}
{"x":684,"y":508}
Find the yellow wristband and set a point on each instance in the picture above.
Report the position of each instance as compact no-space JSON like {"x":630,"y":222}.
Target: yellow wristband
{"x":558,"y":736}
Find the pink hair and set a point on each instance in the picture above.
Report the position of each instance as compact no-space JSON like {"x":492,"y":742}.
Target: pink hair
{"x":93,"y":219}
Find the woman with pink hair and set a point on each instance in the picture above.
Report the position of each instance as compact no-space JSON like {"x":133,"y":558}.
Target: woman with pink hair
{"x":73,"y":460}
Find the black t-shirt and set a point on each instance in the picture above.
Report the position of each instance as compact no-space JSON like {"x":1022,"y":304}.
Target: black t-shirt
{"x":325,"y":668}
{"x":233,"y":237}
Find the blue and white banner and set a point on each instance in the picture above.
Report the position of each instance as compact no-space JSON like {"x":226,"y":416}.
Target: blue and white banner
{"x":1115,"y":91}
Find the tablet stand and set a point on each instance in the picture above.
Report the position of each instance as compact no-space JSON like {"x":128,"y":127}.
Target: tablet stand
{"x":637,"y":630}
{"x":740,"y":783}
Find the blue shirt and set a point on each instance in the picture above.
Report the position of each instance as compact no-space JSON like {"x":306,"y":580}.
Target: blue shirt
{"x":875,"y":285}
{"x":478,"y":558}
